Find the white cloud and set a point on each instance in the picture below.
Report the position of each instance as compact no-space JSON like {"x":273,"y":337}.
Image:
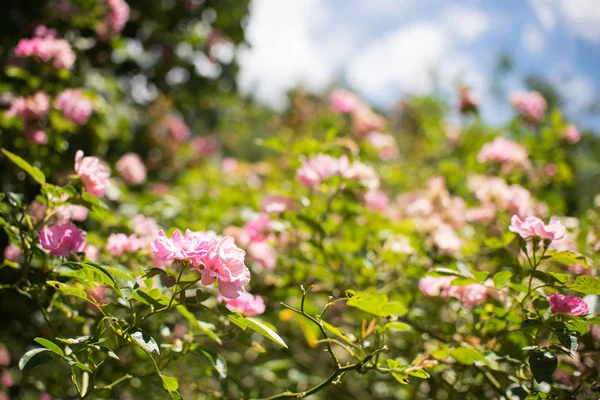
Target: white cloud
{"x":285,"y":51}
{"x":467,"y":23}
{"x":533,"y":39}
{"x":544,"y":11}
{"x":582,"y":17}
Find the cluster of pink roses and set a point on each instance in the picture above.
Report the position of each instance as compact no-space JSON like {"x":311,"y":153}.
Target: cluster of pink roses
{"x":216,"y":258}
{"x":531,"y":106}
{"x":508,"y":153}
{"x":469,"y":295}
{"x":34,"y":107}
{"x":93,"y":172}
{"x":115,"y":19}
{"x":62,"y":239}
{"x":46,"y":47}
{"x":321,"y":167}
{"x":74,"y":106}
{"x":532,"y":227}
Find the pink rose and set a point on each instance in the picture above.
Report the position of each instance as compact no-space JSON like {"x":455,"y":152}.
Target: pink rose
{"x":34,"y":107}
{"x":119,"y":243}
{"x":264,"y":254}
{"x":432,"y":286}
{"x":37,"y":137}
{"x":46,"y":49}
{"x":376,"y":200}
{"x":531,"y":106}
{"x":12,"y":252}
{"x":533,"y":226}
{"x":342,"y":101}
{"x":4,"y":356}
{"x":91,"y":252}
{"x":506,"y":152}
{"x":193,"y":246}
{"x":572,"y":305}
{"x":226,"y":264}
{"x":276,"y":204}
{"x":384,"y":143}
{"x":62,"y":239}
{"x":319,"y":168}
{"x":572,"y":134}
{"x":177,"y":128}
{"x":363,"y":173}
{"x":132,"y":169}
{"x":246,"y":304}
{"x":446,"y":240}
{"x":94,"y":174}
{"x":364,"y":120}
{"x":74,"y":106}
{"x":259,"y":228}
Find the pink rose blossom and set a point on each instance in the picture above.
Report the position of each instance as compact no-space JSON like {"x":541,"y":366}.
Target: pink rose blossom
{"x":145,"y":227}
{"x":343,"y":102}
{"x":276,"y":204}
{"x":376,"y":200}
{"x":533,"y":226}
{"x":74,"y":106}
{"x":572,"y":134}
{"x":572,"y":305}
{"x":446,"y":240}
{"x":62,"y":239}
{"x":47,"y":49}
{"x":91,"y":252}
{"x":98,"y":294}
{"x":531,"y":106}
{"x":506,"y":152}
{"x":469,"y":295}
{"x":12,"y":252}
{"x":193,"y":246}
{"x":550,"y":170}
{"x":118,"y":16}
{"x":364,"y":120}
{"x":6,"y":379}
{"x":481,"y":215}
{"x":177,"y":128}
{"x":119,"y":243}
{"x":132,"y":169}
{"x":399,"y":244}
{"x":206,"y":146}
{"x":259,"y":228}
{"x":94,"y":174}
{"x":319,"y":168}
{"x":364,"y":174}
{"x":384,"y":143}
{"x":432,"y":286}
{"x":264,"y":254}
{"x":45,"y":396}
{"x":34,"y":107}
{"x":37,"y":137}
{"x":246,"y":304}
{"x":229,"y":165}
{"x":4,"y":356}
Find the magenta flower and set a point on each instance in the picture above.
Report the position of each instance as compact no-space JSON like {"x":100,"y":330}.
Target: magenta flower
{"x":94,"y":174}
{"x":74,"y":106}
{"x":132,"y":169}
{"x":572,"y":305}
{"x":531,"y":106}
{"x":343,"y":101}
{"x":62,"y":239}
{"x":246,"y":304}
{"x":533,"y":226}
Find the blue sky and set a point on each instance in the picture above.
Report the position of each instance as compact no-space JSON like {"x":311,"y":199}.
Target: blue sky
{"x":384,"y":49}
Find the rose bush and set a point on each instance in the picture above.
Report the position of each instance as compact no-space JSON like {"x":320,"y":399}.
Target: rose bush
{"x":173,"y":240}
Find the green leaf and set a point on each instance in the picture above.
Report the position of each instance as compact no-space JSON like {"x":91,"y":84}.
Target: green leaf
{"x":562,"y":278}
{"x":89,"y":272}
{"x":367,"y":302}
{"x":466,"y":355}
{"x":145,"y":341}
{"x":50,"y":346}
{"x":419,"y":373}
{"x":594,"y":321}
{"x":257,"y":326}
{"x":393,"y":308}
{"x":217,"y":361}
{"x":34,"y":358}
{"x":397,"y":326}
{"x":170,"y":384}
{"x":83,"y":367}
{"x":401,"y":377}
{"x":501,"y":278}
{"x":498,"y":243}
{"x":567,"y":258}
{"x":205,"y":327}
{"x":32,"y":171}
{"x":568,"y":339}
{"x":586,"y":284}
{"x":68,"y":289}
{"x":543,"y":364}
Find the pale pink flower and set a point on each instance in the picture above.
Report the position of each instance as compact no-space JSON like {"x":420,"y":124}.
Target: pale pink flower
{"x":264,"y":254}
{"x":246,"y":304}
{"x":446,"y":240}
{"x":572,"y":134}
{"x":47,"y":49}
{"x":225,"y":263}
{"x":480,"y":215}
{"x":6,"y":379}
{"x":12,"y":252}
{"x":206,"y":146}
{"x":144,"y":226}
{"x":37,"y":137}
{"x":34,"y":107}
{"x":343,"y":101}
{"x":180,"y":331}
{"x":533,"y":226}
{"x":118,"y":15}
{"x":276,"y":204}
{"x":364,"y":174}
{"x":550,"y":170}
{"x":319,"y":168}
{"x":506,"y":152}
{"x":177,"y":128}
{"x":364,"y":120}
{"x":572,"y":305}
{"x":259,"y":228}
{"x":131,"y":168}
{"x":4,"y":356}
{"x":432,"y":286}
{"x":193,"y":246}
{"x":93,"y":173}
{"x":384,"y":143}
{"x":91,"y":252}
{"x":399,"y":244}
{"x":98,"y":293}
{"x":119,"y":243}
{"x":452,"y":133}
{"x":531,"y":106}
{"x":376,"y":200}
{"x":74,"y":105}
{"x":469,"y":295}
{"x":62,"y":239}
{"x":229,"y":165}
{"x":71,"y":212}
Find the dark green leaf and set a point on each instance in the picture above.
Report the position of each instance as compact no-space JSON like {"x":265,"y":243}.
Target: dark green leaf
{"x":32,"y":171}
{"x":257,"y":326}
{"x":34,"y":358}
{"x":543,"y":364}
